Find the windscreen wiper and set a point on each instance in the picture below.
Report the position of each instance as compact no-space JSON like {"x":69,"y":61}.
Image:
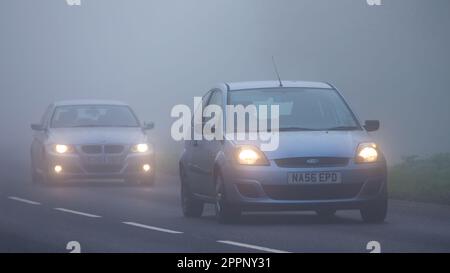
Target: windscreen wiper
{"x":85,"y":125}
{"x":296,"y":129}
{"x":342,"y":128}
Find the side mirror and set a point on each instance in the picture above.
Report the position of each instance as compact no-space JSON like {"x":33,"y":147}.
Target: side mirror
{"x":148,"y":126}
{"x":37,"y":127}
{"x":372,"y":125}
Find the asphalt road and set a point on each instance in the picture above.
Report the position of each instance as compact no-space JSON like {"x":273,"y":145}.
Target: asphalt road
{"x":118,"y":218}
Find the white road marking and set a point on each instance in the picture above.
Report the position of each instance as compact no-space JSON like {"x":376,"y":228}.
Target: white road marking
{"x":152,"y":228}
{"x":78,"y":212}
{"x":24,"y":200}
{"x":265,"y":249}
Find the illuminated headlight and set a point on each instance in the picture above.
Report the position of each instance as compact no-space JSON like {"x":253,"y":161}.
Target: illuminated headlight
{"x":146,"y":167}
{"x":63,"y":149}
{"x":58,"y":169}
{"x":248,"y":155}
{"x":366,"y":153}
{"x":140,"y":148}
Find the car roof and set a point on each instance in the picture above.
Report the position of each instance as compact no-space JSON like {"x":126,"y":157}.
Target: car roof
{"x":89,"y":102}
{"x":230,"y":86}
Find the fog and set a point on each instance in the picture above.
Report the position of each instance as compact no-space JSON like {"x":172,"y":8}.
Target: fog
{"x":391,"y":62}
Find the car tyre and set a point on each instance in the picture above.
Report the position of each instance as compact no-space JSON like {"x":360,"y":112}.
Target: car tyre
{"x":375,"y":211}
{"x":191,"y":206}
{"x":225,"y":212}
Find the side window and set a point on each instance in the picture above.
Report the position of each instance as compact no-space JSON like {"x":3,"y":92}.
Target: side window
{"x":47,"y":114}
{"x":216,"y":98}
{"x":205,"y":99}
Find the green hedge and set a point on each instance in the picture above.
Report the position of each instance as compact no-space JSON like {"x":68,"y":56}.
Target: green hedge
{"x":417,"y":179}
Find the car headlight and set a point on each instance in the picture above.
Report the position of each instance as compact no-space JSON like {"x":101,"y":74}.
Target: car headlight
{"x":366,"y":153}
{"x":63,"y":149}
{"x":249,"y":155}
{"x":140,"y":148}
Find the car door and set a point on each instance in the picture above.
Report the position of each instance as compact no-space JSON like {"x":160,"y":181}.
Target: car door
{"x":209,"y":150}
{"x":39,"y":140}
{"x":195,"y":151}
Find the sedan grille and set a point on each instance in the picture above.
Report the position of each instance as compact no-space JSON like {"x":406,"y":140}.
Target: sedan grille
{"x":92,"y":149}
{"x":113,"y":149}
{"x":98,"y":149}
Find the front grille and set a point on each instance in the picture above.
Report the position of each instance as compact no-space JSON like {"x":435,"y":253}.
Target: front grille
{"x":311,"y":162}
{"x":103,"y":168}
{"x":312,"y":192}
{"x":113,"y":149}
{"x":92,"y":149}
{"x":98,"y":149}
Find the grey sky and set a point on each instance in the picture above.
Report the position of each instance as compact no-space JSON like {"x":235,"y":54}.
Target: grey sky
{"x":391,"y":62}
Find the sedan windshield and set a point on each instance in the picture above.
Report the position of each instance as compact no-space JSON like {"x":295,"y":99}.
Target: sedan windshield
{"x":93,"y":116}
{"x":301,"y":109}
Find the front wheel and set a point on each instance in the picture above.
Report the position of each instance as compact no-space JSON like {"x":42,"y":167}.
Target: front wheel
{"x":36,"y":178}
{"x":375,"y":211}
{"x":190,"y":206}
{"x":225,"y":212}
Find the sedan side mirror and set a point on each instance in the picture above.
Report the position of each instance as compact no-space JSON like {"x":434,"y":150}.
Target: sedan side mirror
{"x":372,"y":125}
{"x":149,"y":126}
{"x":37,"y":127}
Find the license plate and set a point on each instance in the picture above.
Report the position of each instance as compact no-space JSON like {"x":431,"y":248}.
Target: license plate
{"x":113,"y":160}
{"x":314,"y":178}
{"x":95,"y":160}
{"x":103,"y":160}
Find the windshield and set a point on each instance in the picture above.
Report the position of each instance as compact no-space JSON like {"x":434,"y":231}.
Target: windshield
{"x":93,"y":116}
{"x":301,"y":109}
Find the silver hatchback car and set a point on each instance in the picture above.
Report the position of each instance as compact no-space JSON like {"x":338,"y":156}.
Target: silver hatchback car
{"x":91,"y":140}
{"x":325,"y":161}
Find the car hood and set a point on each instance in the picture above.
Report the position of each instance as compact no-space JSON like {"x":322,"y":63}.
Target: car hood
{"x":91,"y":135}
{"x":314,"y":143}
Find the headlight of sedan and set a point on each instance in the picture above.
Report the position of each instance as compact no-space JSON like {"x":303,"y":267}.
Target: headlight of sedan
{"x":366,"y":153}
{"x":141,"y":148}
{"x":249,"y":155}
{"x":63,"y":149}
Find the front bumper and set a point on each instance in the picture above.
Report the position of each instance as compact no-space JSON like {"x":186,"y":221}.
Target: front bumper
{"x":79,"y":167}
{"x":266,"y":187}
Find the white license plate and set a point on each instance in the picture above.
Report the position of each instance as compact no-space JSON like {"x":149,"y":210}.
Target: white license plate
{"x":95,"y":160}
{"x":103,"y":160}
{"x":314,"y":178}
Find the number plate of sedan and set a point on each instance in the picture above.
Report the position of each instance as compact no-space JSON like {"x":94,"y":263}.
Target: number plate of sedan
{"x":104,"y":160}
{"x":314,"y":178}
